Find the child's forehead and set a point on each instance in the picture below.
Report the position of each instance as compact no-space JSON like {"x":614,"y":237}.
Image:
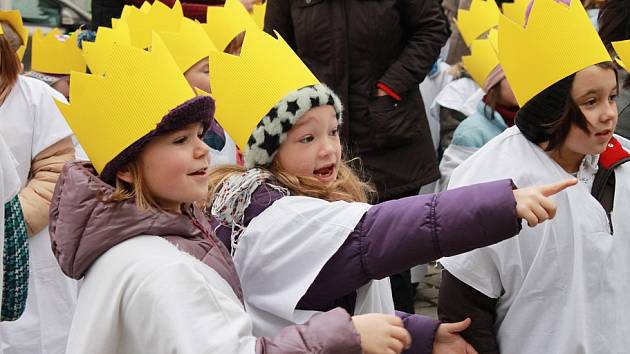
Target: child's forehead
{"x":321,"y":115}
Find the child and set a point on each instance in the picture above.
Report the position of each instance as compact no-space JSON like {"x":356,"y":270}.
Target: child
{"x":303,"y":238}
{"x":155,"y":278}
{"x":559,"y":287}
{"x":40,"y":141}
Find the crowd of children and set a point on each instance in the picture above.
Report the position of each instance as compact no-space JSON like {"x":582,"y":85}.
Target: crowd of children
{"x":176,"y":186}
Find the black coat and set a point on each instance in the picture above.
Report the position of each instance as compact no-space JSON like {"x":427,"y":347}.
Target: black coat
{"x":351,"y":45}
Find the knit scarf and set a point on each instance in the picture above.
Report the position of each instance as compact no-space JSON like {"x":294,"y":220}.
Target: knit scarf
{"x":234,"y":197}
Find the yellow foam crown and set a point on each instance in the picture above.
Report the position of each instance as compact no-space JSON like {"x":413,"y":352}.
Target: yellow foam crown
{"x":54,"y":56}
{"x":515,"y":11}
{"x":558,"y":41}
{"x":14,"y":18}
{"x":188,"y":45}
{"x":156,"y":17}
{"x":96,"y":53}
{"x":483,"y":58}
{"x":108,"y":113}
{"x":225,"y":23}
{"x":622,"y":48}
{"x":478,"y":19}
{"x":246,"y":87}
{"x":258,"y":13}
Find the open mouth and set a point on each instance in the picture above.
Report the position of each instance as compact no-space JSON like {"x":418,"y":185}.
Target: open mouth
{"x":604,"y":132}
{"x":200,"y":172}
{"x":325,"y":172}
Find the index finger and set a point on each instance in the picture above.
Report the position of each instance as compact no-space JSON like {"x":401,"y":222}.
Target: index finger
{"x":551,"y":189}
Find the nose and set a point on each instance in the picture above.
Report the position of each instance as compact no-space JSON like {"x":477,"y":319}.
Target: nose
{"x":327,"y":148}
{"x":201,"y":149}
{"x":610,"y":112}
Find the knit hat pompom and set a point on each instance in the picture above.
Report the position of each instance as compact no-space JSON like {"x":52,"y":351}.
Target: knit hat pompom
{"x":272,"y":130}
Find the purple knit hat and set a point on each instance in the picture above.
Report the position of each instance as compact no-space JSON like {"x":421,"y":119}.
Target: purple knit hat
{"x":195,"y":110}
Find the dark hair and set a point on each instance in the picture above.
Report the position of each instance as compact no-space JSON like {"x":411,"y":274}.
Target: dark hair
{"x":491,"y":101}
{"x":549,"y":115}
{"x":9,"y":62}
{"x":614,"y":22}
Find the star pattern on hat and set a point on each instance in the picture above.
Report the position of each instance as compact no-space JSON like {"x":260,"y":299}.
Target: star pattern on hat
{"x":314,"y":101}
{"x":293,"y":107}
{"x":270,"y":142}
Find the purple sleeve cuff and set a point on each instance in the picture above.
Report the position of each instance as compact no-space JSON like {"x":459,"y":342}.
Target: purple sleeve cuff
{"x":422,"y":330}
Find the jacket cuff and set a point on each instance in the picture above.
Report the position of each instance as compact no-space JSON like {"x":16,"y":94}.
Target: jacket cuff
{"x":388,"y":91}
{"x":422,"y":330}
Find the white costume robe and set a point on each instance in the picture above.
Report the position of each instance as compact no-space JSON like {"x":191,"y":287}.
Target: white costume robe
{"x":29,"y":123}
{"x":562,"y":286}
{"x":283,"y":250}
{"x":116,"y":311}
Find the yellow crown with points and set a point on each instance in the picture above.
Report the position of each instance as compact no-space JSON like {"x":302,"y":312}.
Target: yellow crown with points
{"x":225,"y":23}
{"x":14,"y":19}
{"x":622,"y":48}
{"x":515,"y":11}
{"x":246,"y":87}
{"x":53,"y":54}
{"x":483,"y":58}
{"x":96,"y":54}
{"x":258,"y":13}
{"x":478,"y":19}
{"x":189,"y":45}
{"x":157,"y":17}
{"x":558,"y":41}
{"x":108,"y":113}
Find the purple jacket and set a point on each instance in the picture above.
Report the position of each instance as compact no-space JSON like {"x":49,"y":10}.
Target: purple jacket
{"x":83,"y":226}
{"x":398,"y":234}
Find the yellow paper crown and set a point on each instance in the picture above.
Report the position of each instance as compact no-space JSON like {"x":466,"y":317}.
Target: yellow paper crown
{"x":157,"y":17}
{"x":189,"y":45}
{"x":622,"y":48}
{"x":483,"y":58}
{"x":258,"y":13}
{"x":515,"y":11}
{"x":97,"y":53}
{"x":14,"y":19}
{"x":246,"y":87}
{"x":108,"y":113}
{"x":558,"y":41}
{"x":225,"y":23}
{"x":478,"y":19}
{"x":53,"y":56}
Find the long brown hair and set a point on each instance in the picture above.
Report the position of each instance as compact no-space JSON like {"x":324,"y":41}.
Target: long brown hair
{"x":10,"y":65}
{"x":347,"y":187}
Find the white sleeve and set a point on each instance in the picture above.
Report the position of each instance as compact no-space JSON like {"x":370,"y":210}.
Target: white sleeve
{"x":479,"y":269}
{"x":184,"y":308}
{"x":49,"y":126}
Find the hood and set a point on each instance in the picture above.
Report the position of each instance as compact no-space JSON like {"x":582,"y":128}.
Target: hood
{"x":83,"y":225}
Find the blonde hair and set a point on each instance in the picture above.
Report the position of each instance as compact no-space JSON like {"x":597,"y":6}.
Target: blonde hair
{"x":347,"y":187}
{"x":136,"y":191}
{"x":10,"y":65}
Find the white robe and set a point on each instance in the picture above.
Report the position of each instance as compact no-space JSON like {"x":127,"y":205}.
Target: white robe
{"x":227,"y":155}
{"x":283,"y":250}
{"x":146,"y":296}
{"x":562,"y":285}
{"x":29,"y":123}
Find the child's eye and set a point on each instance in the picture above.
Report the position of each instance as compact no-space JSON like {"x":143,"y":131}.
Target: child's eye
{"x":307,"y":139}
{"x":612,"y":97}
{"x":590,"y":102}
{"x":180,"y":140}
{"x":335,"y":132}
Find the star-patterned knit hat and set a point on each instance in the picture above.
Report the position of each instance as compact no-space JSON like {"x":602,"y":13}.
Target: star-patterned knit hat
{"x":276,"y":99}
{"x":272,"y":130}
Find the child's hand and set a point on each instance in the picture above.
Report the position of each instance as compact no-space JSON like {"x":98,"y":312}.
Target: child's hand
{"x":533,"y":204}
{"x":448,"y":341}
{"x":381,"y":334}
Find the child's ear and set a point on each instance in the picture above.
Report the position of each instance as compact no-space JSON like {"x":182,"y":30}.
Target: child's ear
{"x":125,"y":175}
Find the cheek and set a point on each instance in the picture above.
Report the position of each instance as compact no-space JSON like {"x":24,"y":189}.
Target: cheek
{"x":296,"y":159}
